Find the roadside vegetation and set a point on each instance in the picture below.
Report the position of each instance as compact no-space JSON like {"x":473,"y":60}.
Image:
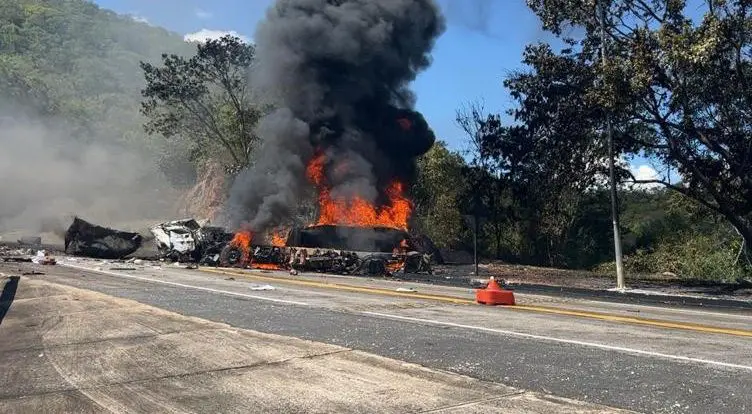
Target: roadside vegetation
{"x":678,"y":88}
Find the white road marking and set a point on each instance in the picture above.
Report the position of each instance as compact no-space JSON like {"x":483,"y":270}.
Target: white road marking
{"x":560,"y":340}
{"x":164,"y":282}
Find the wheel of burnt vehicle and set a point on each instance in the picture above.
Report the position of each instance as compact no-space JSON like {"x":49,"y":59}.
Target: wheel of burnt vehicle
{"x":373,"y":266}
{"x":230,"y":256}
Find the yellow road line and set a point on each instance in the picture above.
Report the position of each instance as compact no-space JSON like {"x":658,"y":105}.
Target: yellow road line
{"x":348,"y":288}
{"x":687,"y":326}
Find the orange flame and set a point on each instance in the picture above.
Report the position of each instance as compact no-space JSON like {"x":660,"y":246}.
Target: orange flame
{"x":279,"y":238}
{"x":356,"y":211}
{"x":242,"y":240}
{"x":393,"y":267}
{"x":265,"y":266}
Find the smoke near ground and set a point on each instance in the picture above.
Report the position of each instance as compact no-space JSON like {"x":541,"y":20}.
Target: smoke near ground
{"x":339,"y":70}
{"x":47,"y":177}
{"x":275,"y":179}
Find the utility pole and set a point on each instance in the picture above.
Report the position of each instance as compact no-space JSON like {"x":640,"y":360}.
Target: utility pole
{"x":475,"y":242}
{"x":611,"y":168}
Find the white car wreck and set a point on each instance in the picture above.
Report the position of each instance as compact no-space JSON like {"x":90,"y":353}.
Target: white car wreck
{"x":189,"y":240}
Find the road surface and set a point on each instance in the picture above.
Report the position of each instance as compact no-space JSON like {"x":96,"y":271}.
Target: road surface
{"x":641,"y":358}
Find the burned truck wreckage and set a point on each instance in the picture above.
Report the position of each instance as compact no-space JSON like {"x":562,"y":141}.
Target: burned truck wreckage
{"x":323,"y":248}
{"x":85,"y":239}
{"x":339,"y":249}
{"x":189,"y":241}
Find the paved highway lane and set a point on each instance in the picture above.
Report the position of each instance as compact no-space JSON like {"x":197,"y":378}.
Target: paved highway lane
{"x":643,"y":368}
{"x":69,"y":350}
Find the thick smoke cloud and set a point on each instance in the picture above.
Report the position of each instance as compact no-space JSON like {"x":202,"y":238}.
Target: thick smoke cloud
{"x":340,"y":71}
{"x":275,"y":179}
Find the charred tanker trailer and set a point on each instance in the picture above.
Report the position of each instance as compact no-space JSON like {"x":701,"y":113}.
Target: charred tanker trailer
{"x":331,"y":249}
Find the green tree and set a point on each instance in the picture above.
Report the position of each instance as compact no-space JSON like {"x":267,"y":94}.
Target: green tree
{"x":533,"y":197}
{"x":437,"y":194}
{"x":683,"y":86}
{"x":206,"y":99}
{"x":486,"y":198}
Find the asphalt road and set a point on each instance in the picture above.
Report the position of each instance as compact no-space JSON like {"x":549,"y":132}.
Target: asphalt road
{"x":646,"y":381}
{"x":70,"y":350}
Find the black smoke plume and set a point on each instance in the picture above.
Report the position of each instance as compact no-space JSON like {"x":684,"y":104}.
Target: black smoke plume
{"x":339,"y":71}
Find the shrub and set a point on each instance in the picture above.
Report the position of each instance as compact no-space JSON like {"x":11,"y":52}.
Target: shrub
{"x":696,"y":256}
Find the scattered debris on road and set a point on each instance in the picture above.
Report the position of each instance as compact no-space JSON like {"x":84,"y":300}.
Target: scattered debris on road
{"x":8,"y":254}
{"x":187,"y":243}
{"x":24,"y":255}
{"x":263,"y":287}
{"x":43,"y":258}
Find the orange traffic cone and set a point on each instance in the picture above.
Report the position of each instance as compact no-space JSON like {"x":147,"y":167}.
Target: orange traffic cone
{"x":493,"y":294}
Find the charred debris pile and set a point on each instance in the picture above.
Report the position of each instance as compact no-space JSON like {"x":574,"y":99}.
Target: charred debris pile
{"x":320,"y":248}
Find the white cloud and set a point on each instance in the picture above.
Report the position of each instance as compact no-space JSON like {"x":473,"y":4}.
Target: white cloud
{"x":203,"y":14}
{"x":203,"y":35}
{"x":645,"y":172}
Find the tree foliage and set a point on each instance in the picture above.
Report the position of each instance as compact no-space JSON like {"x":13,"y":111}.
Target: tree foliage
{"x":205,"y":98}
{"x":534,"y":172}
{"x":437,"y":194}
{"x":678,"y":93}
{"x":682,"y":86}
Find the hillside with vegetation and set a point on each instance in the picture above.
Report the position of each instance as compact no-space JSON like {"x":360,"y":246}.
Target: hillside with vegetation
{"x":75,"y":62}
{"x":73,"y":138}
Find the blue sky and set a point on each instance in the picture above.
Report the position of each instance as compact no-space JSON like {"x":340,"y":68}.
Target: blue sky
{"x":469,"y":60}
{"x":483,"y":42}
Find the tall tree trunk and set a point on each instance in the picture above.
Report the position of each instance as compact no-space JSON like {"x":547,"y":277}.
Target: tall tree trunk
{"x":498,"y":234}
{"x":744,"y":227}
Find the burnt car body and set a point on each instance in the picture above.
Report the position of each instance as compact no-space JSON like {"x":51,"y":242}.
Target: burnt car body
{"x":188,"y":241}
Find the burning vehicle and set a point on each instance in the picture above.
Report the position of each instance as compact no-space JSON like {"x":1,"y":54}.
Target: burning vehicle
{"x":330,"y":249}
{"x":321,"y":248}
{"x":345,"y":127}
